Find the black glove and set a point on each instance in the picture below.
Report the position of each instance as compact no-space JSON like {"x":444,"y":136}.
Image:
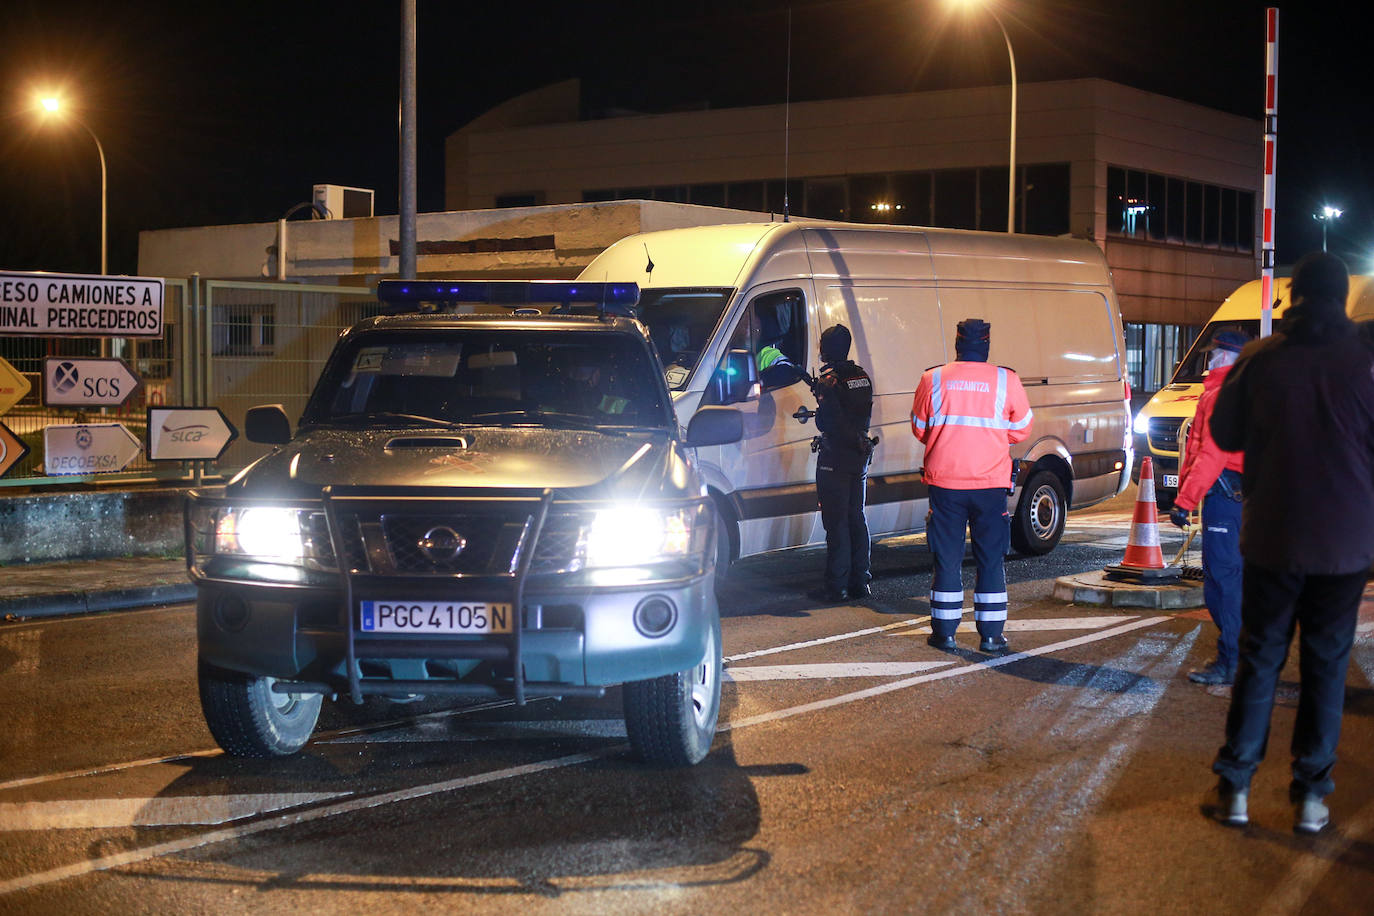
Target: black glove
{"x":1179,"y":516}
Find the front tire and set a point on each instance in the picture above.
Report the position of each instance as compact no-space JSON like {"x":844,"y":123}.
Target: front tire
{"x":724,"y":551}
{"x":671,"y":720}
{"x":248,"y":719}
{"x":1040,"y":516}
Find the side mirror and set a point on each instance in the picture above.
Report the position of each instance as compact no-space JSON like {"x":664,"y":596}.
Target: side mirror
{"x":736,"y":379}
{"x":267,"y":424}
{"x":715,"y":426}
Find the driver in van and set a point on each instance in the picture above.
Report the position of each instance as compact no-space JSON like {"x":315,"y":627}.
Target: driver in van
{"x":770,"y":323}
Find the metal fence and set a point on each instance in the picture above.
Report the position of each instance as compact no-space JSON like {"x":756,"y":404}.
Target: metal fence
{"x":225,"y":344}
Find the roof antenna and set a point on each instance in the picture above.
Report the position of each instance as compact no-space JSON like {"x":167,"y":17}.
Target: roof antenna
{"x":787,"y":120}
{"x":649,"y":267}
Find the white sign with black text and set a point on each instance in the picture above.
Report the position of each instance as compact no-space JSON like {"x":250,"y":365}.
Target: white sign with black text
{"x":188,"y":433}
{"x":73,"y":382}
{"x":80,"y":305}
{"x":87,"y":448}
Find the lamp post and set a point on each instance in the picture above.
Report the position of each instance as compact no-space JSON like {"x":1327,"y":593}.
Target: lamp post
{"x":1011,"y":168}
{"x":53,"y":105}
{"x":1324,"y":217}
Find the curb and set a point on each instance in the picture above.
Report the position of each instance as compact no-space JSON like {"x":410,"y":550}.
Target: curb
{"x":66,"y":604}
{"x":1096,"y":589}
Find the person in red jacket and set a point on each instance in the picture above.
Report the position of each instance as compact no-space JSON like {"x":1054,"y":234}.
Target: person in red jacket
{"x":1210,"y":471}
{"x":966,"y":413}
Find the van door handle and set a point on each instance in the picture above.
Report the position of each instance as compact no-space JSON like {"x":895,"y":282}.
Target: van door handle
{"x":802,"y":414}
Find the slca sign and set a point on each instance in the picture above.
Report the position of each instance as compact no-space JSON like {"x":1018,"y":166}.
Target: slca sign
{"x":188,"y":433}
{"x":88,"y":448}
{"x":87,"y":382}
{"x":80,"y":305}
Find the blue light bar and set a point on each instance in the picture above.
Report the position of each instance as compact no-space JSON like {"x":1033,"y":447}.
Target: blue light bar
{"x":506,"y":292}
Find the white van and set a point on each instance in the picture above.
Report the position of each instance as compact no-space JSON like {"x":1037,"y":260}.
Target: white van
{"x":1158,"y":424}
{"x":712,"y":296}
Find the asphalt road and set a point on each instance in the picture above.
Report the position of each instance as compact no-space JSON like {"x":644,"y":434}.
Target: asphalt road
{"x":857,"y":771}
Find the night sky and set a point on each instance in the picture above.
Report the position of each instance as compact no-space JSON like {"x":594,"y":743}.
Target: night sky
{"x":231,"y":112}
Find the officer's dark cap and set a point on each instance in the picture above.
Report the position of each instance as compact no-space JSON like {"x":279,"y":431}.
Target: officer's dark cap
{"x":835,"y":341}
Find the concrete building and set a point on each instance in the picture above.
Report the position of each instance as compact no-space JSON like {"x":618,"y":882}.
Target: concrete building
{"x":1168,"y":189}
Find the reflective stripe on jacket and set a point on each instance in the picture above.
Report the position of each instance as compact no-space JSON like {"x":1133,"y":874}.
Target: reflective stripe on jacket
{"x":1203,"y":459}
{"x":967,"y":413}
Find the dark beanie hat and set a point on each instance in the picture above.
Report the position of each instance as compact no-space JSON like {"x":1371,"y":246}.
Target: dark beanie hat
{"x":1320,"y":278}
{"x":835,"y":341}
{"x":972,"y":340}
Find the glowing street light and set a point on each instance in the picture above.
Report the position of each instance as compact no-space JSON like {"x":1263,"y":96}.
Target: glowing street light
{"x":52,"y":105}
{"x":1327,"y":214}
{"x":1011,"y":58}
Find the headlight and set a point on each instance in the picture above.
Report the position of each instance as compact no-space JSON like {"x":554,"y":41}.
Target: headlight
{"x":634,"y":535}
{"x":273,"y":534}
{"x":1141,"y":425}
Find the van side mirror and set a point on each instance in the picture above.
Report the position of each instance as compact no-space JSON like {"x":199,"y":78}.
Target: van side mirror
{"x":715,"y":426}
{"x":267,"y":424}
{"x":736,"y":380}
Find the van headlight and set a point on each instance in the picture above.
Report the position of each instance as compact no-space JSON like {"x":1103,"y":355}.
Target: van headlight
{"x":637,"y":535}
{"x":1141,"y":424}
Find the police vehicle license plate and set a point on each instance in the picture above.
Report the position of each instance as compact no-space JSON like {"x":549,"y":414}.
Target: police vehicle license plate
{"x":1171,"y":480}
{"x":435,"y":617}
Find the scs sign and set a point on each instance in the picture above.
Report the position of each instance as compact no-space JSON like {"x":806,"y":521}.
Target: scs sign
{"x":87,"y":382}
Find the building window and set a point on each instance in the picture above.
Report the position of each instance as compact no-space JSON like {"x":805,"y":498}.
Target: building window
{"x":744,"y":195}
{"x":825,"y":198}
{"x":522,"y":199}
{"x":911,"y":198}
{"x":992,"y":198}
{"x":955,"y":199}
{"x":244,"y":330}
{"x":1152,"y":352}
{"x":1043,"y":204}
{"x":1144,"y":205}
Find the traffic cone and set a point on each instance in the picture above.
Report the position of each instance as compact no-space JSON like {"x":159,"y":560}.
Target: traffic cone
{"x":1144,"y":559}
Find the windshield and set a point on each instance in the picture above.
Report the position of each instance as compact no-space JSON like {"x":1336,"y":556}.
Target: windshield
{"x":680,"y":321}
{"x":1194,"y":365}
{"x":484,"y":377}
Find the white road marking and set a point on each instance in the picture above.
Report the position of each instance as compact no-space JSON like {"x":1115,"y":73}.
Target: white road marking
{"x":851,"y":669}
{"x":150,"y":812}
{"x":226,"y":834}
{"x":916,"y":621}
{"x":1031,"y":624}
{"x":984,"y":665}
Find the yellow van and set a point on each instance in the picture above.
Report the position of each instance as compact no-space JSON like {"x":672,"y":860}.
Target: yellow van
{"x":1156,"y":426}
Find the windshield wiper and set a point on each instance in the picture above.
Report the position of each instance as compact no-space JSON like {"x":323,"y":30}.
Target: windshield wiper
{"x":536,"y":417}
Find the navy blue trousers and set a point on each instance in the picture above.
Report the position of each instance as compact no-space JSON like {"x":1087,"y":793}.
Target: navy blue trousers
{"x":841,"y":496}
{"x":1222,"y":568}
{"x":983,"y":513}
{"x":1325,"y":608}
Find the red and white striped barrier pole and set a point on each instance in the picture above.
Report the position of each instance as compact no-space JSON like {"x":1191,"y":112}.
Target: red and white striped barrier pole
{"x":1271,"y":136}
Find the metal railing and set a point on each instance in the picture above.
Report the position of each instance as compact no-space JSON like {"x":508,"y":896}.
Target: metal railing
{"x":225,"y":344}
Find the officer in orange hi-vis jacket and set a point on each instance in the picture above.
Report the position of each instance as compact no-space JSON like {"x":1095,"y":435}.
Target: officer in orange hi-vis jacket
{"x":967,"y":413}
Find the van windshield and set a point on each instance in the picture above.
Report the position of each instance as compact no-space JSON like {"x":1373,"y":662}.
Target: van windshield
{"x":681,"y":321}
{"x":1194,"y":365}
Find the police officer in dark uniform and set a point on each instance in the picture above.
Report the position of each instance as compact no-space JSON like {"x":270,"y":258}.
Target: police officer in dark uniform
{"x":844,"y":407}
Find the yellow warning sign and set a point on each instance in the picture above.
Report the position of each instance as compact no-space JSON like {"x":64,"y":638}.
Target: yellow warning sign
{"x":13,"y":385}
{"x":12,"y":450}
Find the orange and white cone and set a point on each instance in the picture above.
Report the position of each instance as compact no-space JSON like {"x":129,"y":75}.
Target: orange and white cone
{"x":1142,"y":546}
{"x":1144,"y":560}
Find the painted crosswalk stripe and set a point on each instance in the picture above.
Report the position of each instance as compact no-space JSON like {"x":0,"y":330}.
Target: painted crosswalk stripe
{"x":1039,"y":624}
{"x":851,"y":669}
{"x":150,"y":812}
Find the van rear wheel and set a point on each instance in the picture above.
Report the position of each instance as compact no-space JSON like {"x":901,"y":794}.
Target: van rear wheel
{"x":1040,"y":516}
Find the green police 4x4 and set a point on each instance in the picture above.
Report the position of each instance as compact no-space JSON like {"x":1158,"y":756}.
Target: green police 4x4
{"x":472,"y":505}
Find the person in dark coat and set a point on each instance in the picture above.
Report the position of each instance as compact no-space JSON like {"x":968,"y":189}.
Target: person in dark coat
{"x":1300,"y":404}
{"x":844,"y":408}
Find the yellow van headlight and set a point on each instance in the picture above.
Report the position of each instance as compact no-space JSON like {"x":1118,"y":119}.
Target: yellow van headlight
{"x":1141,"y":425}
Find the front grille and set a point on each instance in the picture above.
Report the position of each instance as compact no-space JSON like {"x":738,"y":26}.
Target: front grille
{"x":1164,"y":434}
{"x":390,"y":543}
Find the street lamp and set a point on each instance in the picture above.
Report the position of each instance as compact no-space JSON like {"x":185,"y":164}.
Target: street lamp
{"x":1011,"y":58}
{"x":1326,"y":216}
{"x":52,"y":105}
